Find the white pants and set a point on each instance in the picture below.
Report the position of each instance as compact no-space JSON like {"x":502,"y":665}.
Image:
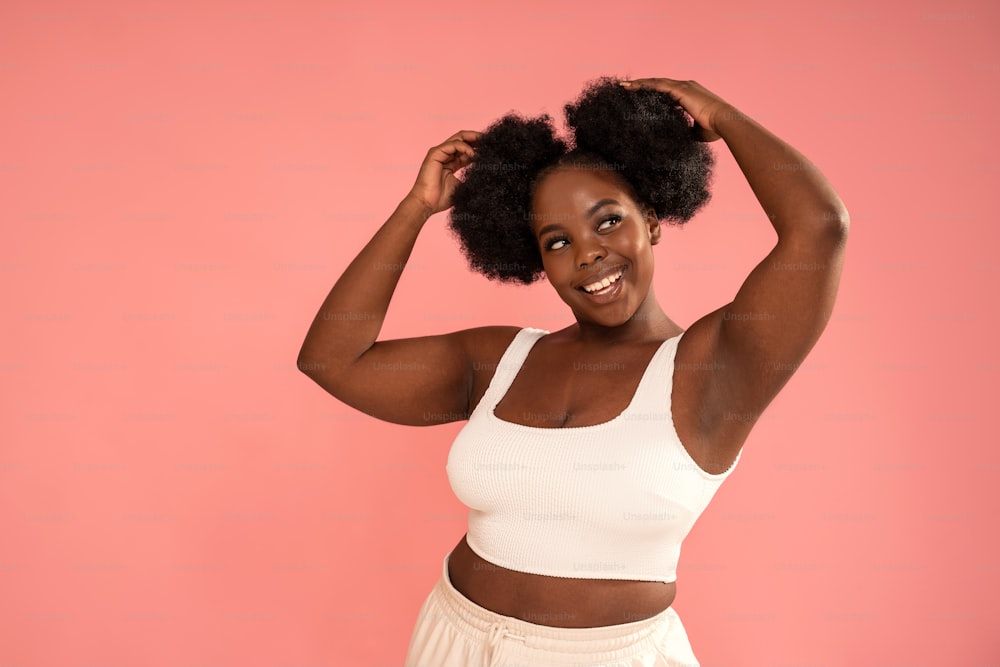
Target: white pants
{"x":453,"y":631}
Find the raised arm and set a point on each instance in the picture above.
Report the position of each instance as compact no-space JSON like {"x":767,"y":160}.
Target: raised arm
{"x":758,"y":340}
{"x":417,"y":381}
{"x":785,"y":303}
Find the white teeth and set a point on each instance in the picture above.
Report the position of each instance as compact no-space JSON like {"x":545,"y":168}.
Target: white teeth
{"x":593,"y":287}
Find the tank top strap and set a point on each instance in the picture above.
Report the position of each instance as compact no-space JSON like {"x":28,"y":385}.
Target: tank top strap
{"x":652,"y":396}
{"x":510,"y":363}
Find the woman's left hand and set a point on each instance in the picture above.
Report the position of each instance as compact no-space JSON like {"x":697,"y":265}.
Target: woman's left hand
{"x":704,"y":106}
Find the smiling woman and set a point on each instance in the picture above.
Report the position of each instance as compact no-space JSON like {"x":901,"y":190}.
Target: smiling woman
{"x":589,"y":452}
{"x":598,"y":257}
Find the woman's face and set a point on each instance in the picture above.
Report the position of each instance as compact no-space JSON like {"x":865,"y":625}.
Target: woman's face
{"x":589,"y":230}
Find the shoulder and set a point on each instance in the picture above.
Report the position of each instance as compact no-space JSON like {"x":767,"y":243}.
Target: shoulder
{"x":484,"y":347}
{"x":487,"y":341}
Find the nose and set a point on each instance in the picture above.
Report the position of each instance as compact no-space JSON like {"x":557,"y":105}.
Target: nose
{"x":589,"y":251}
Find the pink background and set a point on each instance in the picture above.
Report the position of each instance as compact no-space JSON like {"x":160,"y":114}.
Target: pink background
{"x":181,"y":186}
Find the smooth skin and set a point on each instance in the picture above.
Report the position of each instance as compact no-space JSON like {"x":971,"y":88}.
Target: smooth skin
{"x":751,"y":345}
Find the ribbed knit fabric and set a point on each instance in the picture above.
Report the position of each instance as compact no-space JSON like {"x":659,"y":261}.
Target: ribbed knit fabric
{"x":609,"y":501}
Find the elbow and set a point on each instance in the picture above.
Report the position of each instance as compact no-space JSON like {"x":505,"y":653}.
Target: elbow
{"x":838,"y":218}
{"x":308,"y":363}
{"x":313,"y":357}
{"x":836,"y":224}
{"x":842,"y":223}
{"x":328,"y":373}
{"x":816,"y":226}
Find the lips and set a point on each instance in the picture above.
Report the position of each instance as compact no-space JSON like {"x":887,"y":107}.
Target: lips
{"x":602,"y":281}
{"x":605,"y":293}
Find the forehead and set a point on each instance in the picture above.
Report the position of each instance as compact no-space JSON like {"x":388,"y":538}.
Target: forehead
{"x":565,"y":196}
{"x":577,"y":188}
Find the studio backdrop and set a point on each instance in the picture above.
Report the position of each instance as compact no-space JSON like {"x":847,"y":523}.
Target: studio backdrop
{"x":183,"y":183}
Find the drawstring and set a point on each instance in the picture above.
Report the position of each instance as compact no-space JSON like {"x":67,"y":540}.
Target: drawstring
{"x":497,"y":632}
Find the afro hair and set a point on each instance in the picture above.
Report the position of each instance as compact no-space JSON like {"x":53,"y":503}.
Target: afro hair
{"x":644,"y":136}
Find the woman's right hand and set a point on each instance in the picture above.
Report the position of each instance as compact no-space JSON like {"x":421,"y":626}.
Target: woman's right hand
{"x":436,"y":180}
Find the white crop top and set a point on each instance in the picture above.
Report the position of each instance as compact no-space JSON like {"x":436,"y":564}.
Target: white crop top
{"x":609,"y":501}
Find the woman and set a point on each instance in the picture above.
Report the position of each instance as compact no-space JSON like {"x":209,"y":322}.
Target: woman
{"x":590,"y":451}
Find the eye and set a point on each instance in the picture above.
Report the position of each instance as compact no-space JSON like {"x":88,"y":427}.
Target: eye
{"x":616,"y":219}
{"x":553,"y":243}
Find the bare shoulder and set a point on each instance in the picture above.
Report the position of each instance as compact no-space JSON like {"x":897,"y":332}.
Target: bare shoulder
{"x":489,"y":336}
{"x":484,"y":347}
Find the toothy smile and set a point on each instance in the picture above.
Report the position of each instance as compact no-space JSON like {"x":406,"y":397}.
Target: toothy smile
{"x":602,"y":285}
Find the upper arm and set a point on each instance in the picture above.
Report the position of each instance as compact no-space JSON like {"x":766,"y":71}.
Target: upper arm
{"x":776,"y":318}
{"x":415,"y":381}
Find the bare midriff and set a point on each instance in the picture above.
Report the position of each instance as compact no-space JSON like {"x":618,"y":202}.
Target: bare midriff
{"x":556,"y":601}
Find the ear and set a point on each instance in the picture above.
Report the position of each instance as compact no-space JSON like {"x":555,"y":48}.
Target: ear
{"x":653,"y":224}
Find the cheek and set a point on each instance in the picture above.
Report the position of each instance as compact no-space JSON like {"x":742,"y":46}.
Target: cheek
{"x":553,"y":275}
{"x":557,"y":264}
{"x":638,"y":248}
{"x":642,"y":256}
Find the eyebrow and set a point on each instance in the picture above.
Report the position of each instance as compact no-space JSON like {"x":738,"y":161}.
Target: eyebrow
{"x":590,"y":212}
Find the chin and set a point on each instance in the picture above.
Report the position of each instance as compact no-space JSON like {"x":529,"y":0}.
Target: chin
{"x":605,"y":320}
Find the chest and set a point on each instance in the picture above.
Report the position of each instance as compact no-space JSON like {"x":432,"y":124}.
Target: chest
{"x":569,"y":388}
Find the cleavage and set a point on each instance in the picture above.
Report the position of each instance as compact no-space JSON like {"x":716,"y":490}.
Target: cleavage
{"x":571,"y":392}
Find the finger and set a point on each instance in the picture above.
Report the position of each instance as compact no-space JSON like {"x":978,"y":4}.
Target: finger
{"x":453,"y":151}
{"x":466,"y":135}
{"x":648,"y":81}
{"x":453,"y":147}
{"x":463,"y":143}
{"x":461,"y":150}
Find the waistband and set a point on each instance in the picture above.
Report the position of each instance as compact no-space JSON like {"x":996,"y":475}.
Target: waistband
{"x":477,"y":622}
